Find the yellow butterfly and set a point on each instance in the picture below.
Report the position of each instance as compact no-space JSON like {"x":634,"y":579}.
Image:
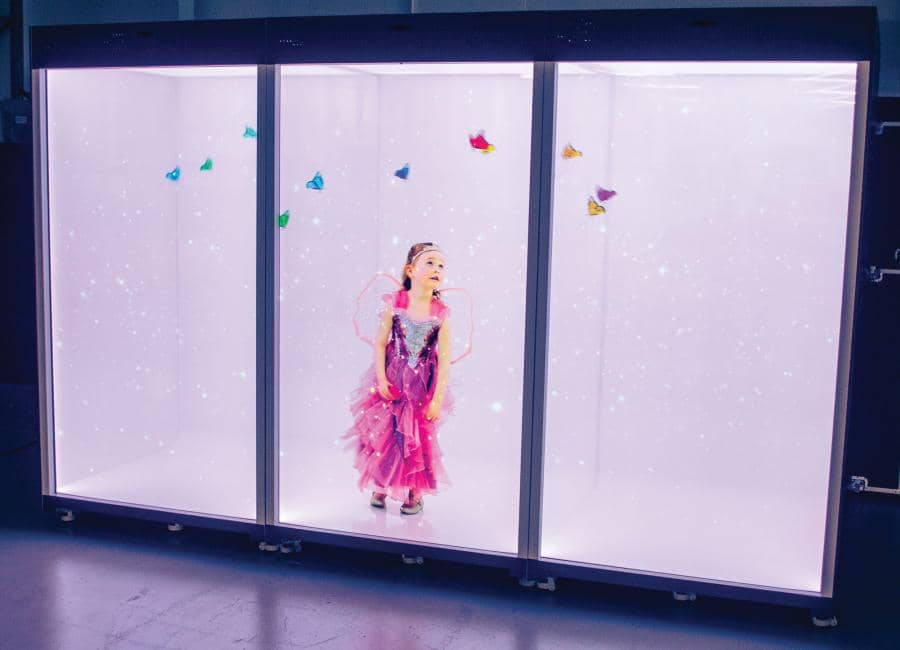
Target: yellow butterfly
{"x":595,"y":208}
{"x":570,"y":152}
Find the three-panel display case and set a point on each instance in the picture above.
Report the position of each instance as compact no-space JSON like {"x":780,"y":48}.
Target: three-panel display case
{"x":649,"y":225}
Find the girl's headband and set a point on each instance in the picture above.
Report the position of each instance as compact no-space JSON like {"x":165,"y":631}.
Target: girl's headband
{"x":427,"y":249}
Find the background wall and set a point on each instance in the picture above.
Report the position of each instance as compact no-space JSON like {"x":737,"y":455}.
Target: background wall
{"x":5,"y":51}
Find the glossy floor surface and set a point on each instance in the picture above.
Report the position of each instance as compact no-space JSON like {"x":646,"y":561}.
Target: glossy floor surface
{"x":104,"y":583}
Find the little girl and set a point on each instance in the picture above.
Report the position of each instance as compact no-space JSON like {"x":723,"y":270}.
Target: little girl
{"x":396,"y":409}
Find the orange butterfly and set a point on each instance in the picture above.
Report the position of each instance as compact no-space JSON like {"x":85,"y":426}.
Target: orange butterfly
{"x":595,"y":208}
{"x":570,"y":152}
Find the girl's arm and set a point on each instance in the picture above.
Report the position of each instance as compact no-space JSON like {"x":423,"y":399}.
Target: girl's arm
{"x":443,"y":370}
{"x":384,"y":333}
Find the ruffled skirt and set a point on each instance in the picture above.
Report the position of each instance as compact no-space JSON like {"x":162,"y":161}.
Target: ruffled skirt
{"x":396,"y":447}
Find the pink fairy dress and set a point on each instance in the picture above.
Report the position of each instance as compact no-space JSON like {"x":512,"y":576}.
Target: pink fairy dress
{"x":396,"y":447}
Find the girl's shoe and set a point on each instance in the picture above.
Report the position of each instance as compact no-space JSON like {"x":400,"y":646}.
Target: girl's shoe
{"x":412,"y":508}
{"x":377,"y":500}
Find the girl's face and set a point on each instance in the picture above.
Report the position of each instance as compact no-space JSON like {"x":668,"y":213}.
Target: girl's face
{"x":428,"y":270}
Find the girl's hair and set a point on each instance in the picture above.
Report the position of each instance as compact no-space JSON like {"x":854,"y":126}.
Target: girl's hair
{"x":414,"y":250}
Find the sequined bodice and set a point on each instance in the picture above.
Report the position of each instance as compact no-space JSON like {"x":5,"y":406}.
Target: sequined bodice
{"x":416,"y":334}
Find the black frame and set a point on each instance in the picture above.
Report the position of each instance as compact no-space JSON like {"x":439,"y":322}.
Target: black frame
{"x":788,"y":34}
{"x":795,"y":34}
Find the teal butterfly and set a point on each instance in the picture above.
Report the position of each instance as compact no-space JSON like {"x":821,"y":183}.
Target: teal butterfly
{"x":174,"y":175}
{"x":249,"y":132}
{"x":317,"y":182}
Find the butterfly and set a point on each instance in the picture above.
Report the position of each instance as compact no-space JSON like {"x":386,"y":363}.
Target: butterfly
{"x":480,"y":142}
{"x":206,"y":166}
{"x":317,"y":182}
{"x":283,"y":218}
{"x":249,"y":132}
{"x":604,"y":194}
{"x":595,"y":208}
{"x":570,"y":152}
{"x":403,"y":172}
{"x":174,"y":175}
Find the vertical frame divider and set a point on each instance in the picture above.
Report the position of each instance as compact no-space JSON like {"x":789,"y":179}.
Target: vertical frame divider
{"x":540,"y":216}
{"x":861,"y":136}
{"x":267,"y":187}
{"x":44,"y":337}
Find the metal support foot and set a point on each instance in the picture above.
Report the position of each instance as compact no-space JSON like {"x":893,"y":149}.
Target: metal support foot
{"x":684,"y":596}
{"x":290,"y":546}
{"x":412,"y":559}
{"x":66,"y":515}
{"x":175,"y":528}
{"x":527,"y":582}
{"x":269,"y":547}
{"x":860,"y":484}
{"x":824,"y":621}
{"x":547,"y":584}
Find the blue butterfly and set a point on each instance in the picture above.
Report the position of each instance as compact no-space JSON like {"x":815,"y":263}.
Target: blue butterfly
{"x":317,"y":183}
{"x":174,"y":175}
{"x":403,"y":172}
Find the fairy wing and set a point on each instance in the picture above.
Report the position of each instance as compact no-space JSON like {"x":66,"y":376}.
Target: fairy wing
{"x":370,"y":304}
{"x":462,"y":320}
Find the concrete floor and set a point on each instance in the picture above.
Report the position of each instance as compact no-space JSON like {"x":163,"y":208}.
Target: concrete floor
{"x":106,"y":583}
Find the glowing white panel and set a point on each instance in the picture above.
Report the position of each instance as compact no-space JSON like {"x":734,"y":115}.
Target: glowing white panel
{"x":357,"y":131}
{"x":694,"y":322}
{"x":152,"y":287}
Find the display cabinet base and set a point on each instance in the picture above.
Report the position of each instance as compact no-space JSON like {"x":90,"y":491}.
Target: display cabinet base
{"x":542,"y":574}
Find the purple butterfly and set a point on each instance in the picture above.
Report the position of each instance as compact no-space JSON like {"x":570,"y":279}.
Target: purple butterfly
{"x":604,"y":194}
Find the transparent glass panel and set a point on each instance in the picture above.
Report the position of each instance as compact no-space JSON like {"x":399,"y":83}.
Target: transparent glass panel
{"x":153,"y":264}
{"x":694,"y":316}
{"x":356,"y":129}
